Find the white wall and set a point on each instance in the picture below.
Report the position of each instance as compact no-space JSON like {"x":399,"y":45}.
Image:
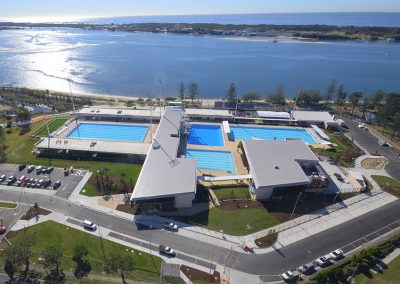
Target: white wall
{"x":184,"y":200}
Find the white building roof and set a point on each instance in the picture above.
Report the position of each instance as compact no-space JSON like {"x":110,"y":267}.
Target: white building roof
{"x":163,"y":174}
{"x":122,"y":112}
{"x":357,"y":175}
{"x":276,"y":163}
{"x":273,"y":114}
{"x":202,"y":112}
{"x":312,"y":116}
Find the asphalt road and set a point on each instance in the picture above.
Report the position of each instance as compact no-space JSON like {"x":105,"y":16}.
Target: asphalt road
{"x":370,"y":143}
{"x":272,"y":263}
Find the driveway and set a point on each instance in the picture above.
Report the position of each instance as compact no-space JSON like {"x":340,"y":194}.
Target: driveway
{"x":371,"y":144}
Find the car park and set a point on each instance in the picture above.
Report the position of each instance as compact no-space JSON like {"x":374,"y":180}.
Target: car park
{"x":287,"y":276}
{"x":170,"y":226}
{"x":336,"y":254}
{"x":166,"y":251}
{"x":3,"y":178}
{"x":307,"y":269}
{"x":323,"y":261}
{"x":20,"y":180}
{"x":39,"y":170}
{"x":30,"y":168}
{"x":21,"y":167}
{"x":89,"y":225}
{"x":57,"y":184}
{"x":11,"y":180}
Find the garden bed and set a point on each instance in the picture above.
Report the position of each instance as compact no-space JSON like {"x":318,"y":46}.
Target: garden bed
{"x":199,"y":276}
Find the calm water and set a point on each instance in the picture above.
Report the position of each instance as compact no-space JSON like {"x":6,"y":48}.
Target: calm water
{"x":337,"y":19}
{"x":133,"y":63}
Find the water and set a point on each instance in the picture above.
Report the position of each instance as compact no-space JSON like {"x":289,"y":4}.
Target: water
{"x":115,"y":132}
{"x":264,"y":133}
{"x":336,"y":19}
{"x":213,"y":160}
{"x":209,"y":135}
{"x":119,"y":63}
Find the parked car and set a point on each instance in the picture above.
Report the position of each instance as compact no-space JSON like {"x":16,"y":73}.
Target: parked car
{"x":39,"y":170}
{"x":11,"y":180}
{"x":323,"y":261}
{"x":307,"y":269}
{"x":338,"y":176}
{"x":30,"y":168}
{"x":44,"y":170}
{"x":89,"y":225}
{"x":40,"y":183}
{"x":3,"y":178}
{"x":57,"y":184}
{"x":47,"y":183}
{"x":170,"y":226}
{"x":21,"y":167}
{"x":49,"y":169}
{"x":30,"y":182}
{"x":166,"y":251}
{"x":20,"y":180}
{"x":336,"y":254}
{"x":25,"y":181}
{"x":287,"y":276}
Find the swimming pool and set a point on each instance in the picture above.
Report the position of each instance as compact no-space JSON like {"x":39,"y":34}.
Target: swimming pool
{"x":115,"y":132}
{"x":265,"y":133}
{"x":205,"y":134}
{"x":214,"y":160}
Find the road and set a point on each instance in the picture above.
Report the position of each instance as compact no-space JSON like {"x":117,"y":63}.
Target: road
{"x":370,"y":143}
{"x":272,"y":263}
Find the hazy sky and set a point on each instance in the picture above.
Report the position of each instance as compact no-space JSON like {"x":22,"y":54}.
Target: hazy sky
{"x":90,"y":8}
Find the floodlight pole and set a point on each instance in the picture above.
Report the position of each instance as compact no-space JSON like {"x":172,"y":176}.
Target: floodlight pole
{"x":295,"y":205}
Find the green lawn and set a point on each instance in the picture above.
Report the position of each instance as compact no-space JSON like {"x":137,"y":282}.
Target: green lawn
{"x":19,"y":150}
{"x":7,"y":205}
{"x":232,"y":222}
{"x":389,"y":275}
{"x":146,"y":267}
{"x":53,"y":126}
{"x":388,"y":184}
{"x":240,"y":192}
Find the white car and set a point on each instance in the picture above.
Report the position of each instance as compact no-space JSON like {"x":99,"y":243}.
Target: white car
{"x":89,"y":225}
{"x":171,"y":226}
{"x":323,"y":260}
{"x":336,"y":254}
{"x":3,"y":178}
{"x":287,"y":276}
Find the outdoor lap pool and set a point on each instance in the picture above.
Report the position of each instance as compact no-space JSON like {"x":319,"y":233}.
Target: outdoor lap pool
{"x":214,"y":160}
{"x":265,"y":133}
{"x":205,"y":134}
{"x":115,"y":132}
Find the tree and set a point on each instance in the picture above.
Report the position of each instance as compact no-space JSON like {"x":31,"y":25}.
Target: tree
{"x":250,"y":97}
{"x":355,"y":100}
{"x":52,"y":261}
{"x":194,"y":91}
{"x":330,"y":91}
{"x":23,"y":114}
{"x":308,"y":98}
{"x":341,"y":97}
{"x":377,"y":99}
{"x":277,"y":97}
{"x":395,"y":123}
{"x":119,"y":262}
{"x":182,"y":91}
{"x":82,"y":267}
{"x":231,"y":94}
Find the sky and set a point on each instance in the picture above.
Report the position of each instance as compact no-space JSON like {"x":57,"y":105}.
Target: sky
{"x":64,"y":9}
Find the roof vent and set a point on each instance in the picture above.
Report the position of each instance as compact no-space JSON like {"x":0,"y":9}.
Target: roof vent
{"x":276,"y":167}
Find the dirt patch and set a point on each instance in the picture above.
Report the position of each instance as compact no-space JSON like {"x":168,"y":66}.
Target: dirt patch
{"x":195,"y":275}
{"x":267,"y":240}
{"x":105,"y":185}
{"x":374,"y":163}
{"x":32,"y":212}
{"x":392,"y":190}
{"x":228,"y":205}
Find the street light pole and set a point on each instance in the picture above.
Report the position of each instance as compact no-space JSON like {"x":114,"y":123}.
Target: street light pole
{"x":160,"y":82}
{"x":295,"y":205}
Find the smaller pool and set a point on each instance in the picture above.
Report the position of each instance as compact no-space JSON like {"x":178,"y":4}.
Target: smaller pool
{"x":206,"y":134}
{"x":116,"y":132}
{"x":214,"y":160}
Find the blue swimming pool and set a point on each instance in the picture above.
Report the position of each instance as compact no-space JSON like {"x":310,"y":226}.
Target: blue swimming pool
{"x":116,"y":132}
{"x":214,"y":160}
{"x":265,"y":133}
{"x":205,"y":134}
